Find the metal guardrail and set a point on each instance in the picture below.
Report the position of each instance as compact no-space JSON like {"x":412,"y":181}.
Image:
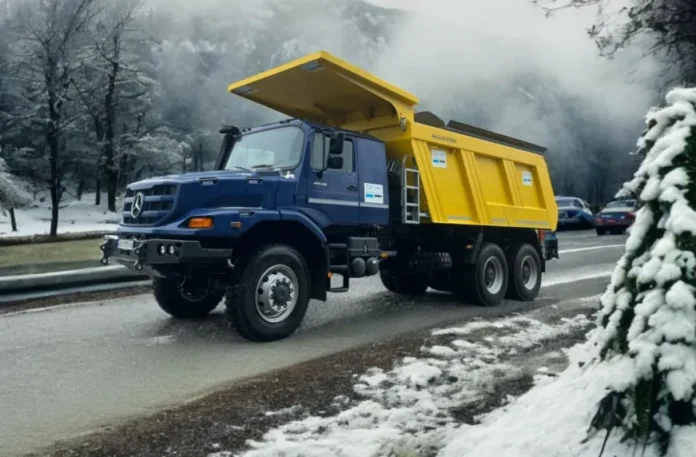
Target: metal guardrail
{"x":102,"y":278}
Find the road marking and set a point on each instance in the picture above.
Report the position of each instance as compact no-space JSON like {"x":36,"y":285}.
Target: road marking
{"x":592,"y":248}
{"x":575,"y":278}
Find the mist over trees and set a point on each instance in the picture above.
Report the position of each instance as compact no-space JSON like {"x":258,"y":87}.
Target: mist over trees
{"x":95,"y":94}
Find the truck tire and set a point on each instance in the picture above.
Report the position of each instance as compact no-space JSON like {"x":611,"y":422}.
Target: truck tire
{"x":405,"y":284}
{"x":270,"y":300}
{"x":175,"y":299}
{"x":525,"y":273}
{"x":485,"y":283}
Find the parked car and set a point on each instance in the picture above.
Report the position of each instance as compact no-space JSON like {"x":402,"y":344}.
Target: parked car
{"x":574,"y":212}
{"x":616,"y":217}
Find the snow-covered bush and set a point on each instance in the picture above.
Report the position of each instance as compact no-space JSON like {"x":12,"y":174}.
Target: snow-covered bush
{"x":648,"y":313}
{"x":12,"y":195}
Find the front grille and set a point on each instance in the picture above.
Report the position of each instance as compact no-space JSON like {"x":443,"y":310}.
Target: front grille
{"x":158,"y":202}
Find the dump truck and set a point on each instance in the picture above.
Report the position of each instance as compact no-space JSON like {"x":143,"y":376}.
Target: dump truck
{"x":355,"y":184}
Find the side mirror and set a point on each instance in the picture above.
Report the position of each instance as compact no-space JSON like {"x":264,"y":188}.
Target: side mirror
{"x":336,"y":144}
{"x":334,"y":163}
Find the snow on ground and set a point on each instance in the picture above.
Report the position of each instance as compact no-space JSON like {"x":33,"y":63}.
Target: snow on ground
{"x":410,"y":410}
{"x":75,"y":217}
{"x":552,"y":418}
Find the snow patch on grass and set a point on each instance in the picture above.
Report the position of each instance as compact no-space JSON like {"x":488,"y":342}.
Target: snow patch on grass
{"x":74,"y":217}
{"x":408,"y":410}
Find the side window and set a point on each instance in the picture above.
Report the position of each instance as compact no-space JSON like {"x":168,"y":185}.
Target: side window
{"x":317,"y":153}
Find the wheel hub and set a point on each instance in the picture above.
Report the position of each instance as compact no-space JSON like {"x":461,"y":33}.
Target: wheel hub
{"x":493,"y":275}
{"x":276,"y":293}
{"x":530,"y":273}
{"x":526,"y":271}
{"x":192,"y":289}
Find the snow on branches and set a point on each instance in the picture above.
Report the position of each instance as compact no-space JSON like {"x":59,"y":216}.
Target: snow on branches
{"x":648,"y":312}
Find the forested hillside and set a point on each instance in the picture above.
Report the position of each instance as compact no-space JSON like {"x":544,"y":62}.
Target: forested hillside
{"x":96,"y":94}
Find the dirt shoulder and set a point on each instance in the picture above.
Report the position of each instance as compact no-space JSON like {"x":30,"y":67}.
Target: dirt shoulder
{"x":228,"y":418}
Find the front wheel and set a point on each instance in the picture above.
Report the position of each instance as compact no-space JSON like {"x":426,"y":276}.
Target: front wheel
{"x":185,"y":298}
{"x":601,"y":231}
{"x":272,"y":295}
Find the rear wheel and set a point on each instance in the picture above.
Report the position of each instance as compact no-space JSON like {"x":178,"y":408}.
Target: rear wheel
{"x":405,"y":284}
{"x":525,"y":273}
{"x":185,"y":298}
{"x":485,"y":283}
{"x":272,"y":295}
{"x":601,"y":231}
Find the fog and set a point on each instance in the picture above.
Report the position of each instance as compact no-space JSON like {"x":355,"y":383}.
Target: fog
{"x":501,"y":65}
{"x":488,"y":45}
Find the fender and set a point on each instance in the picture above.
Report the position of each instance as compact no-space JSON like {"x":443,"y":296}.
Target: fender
{"x":289,"y":214}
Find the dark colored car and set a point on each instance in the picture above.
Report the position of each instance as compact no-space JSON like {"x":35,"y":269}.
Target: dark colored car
{"x":616,"y":217}
{"x":574,"y":212}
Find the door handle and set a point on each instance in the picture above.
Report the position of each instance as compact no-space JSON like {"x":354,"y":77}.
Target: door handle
{"x":352,"y":187}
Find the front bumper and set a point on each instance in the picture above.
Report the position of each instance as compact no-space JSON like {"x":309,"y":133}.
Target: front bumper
{"x":142,"y":255}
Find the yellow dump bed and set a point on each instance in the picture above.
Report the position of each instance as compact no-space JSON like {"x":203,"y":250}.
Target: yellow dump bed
{"x":467,"y":175}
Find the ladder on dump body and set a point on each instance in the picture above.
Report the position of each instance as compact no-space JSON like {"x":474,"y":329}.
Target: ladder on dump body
{"x":410,"y":194}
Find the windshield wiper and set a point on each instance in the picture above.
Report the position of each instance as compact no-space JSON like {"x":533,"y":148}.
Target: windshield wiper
{"x":241,"y":168}
{"x":264,"y":166}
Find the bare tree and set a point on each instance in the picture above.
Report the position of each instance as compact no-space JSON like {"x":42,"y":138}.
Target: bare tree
{"x":49,"y":35}
{"x":112,"y":80}
{"x":667,"y":26}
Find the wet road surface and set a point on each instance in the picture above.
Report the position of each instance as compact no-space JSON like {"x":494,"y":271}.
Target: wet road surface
{"x":70,"y":369}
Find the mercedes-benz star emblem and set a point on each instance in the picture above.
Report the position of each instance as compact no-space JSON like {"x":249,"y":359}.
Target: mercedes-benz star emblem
{"x":137,"y":207}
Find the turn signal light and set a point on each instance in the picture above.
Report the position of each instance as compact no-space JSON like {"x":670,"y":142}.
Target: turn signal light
{"x":200,"y":222}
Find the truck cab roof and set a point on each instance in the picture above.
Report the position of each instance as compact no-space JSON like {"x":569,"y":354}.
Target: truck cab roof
{"x":312,"y":124}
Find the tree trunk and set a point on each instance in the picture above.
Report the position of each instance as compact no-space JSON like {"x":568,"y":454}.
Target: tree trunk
{"x":123,"y":171}
{"x":13,"y":219}
{"x":111,"y":187}
{"x":55,"y":201}
{"x":53,"y":142}
{"x":80,"y":189}
{"x":111,"y":170}
{"x":97,"y":196}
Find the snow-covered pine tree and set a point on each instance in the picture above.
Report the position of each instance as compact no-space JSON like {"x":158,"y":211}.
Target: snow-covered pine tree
{"x":648,"y":312}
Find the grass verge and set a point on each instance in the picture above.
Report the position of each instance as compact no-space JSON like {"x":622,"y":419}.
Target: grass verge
{"x":48,"y":253}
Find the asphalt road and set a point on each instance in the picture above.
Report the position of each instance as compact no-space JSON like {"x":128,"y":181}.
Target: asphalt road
{"x":68,"y":370}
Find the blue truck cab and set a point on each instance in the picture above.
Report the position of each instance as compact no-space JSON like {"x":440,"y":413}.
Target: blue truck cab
{"x":292,"y":191}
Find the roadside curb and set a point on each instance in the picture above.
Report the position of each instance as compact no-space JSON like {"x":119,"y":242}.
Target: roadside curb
{"x":62,"y":279}
{"x":17,"y":240}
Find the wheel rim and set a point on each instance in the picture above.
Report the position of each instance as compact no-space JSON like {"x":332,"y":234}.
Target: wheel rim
{"x":530,"y":272}
{"x":193,"y":291}
{"x":276,"y":293}
{"x":493,"y":275}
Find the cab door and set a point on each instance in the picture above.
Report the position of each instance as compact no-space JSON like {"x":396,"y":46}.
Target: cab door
{"x":333,"y":192}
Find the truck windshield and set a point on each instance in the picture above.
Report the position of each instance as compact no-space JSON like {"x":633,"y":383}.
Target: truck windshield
{"x":276,"y":148}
